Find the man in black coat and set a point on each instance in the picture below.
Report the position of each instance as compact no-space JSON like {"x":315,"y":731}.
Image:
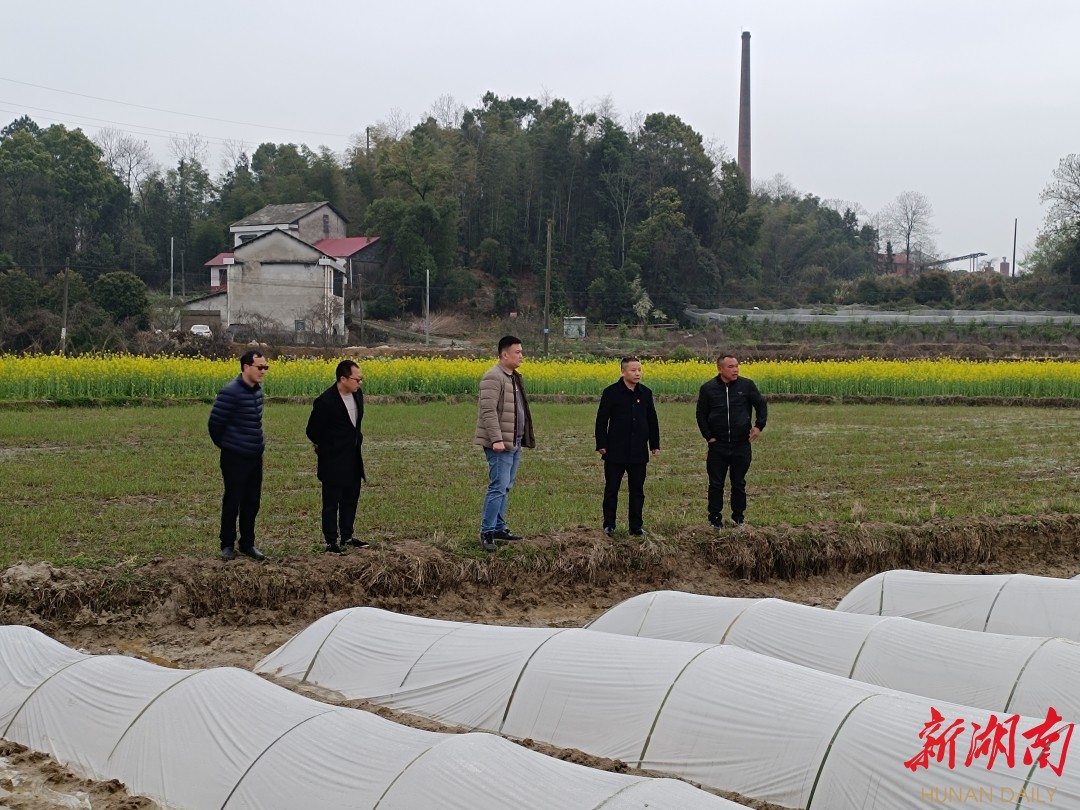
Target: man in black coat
{"x":626,"y":431}
{"x":723,"y":416}
{"x":235,"y":426}
{"x":335,"y":428}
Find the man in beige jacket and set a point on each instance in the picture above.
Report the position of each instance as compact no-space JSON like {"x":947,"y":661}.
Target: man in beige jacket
{"x":503,"y":427}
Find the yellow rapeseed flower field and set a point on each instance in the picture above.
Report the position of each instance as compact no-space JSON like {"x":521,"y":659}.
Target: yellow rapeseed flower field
{"x":117,"y":377}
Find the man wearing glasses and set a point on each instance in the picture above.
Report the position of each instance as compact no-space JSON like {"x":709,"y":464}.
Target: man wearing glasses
{"x":335,"y":428}
{"x":236,"y":428}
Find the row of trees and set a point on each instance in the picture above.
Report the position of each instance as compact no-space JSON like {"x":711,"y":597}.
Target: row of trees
{"x":646,"y":217}
{"x":66,"y":312}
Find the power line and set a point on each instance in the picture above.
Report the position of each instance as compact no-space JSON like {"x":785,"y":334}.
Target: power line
{"x":130,"y":129}
{"x":173,"y":112}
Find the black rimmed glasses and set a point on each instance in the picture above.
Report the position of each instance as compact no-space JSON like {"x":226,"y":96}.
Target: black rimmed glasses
{"x":262,"y":368}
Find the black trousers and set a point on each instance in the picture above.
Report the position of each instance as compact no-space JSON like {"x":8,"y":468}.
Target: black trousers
{"x":242,"y":476}
{"x":339,"y":509}
{"x":635,"y":482}
{"x":724,"y":460}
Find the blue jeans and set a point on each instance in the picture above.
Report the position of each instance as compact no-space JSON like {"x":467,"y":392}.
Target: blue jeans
{"x":502,"y":469}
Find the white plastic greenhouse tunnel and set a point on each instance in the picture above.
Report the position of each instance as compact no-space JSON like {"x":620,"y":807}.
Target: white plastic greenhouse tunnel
{"x":1013,"y":674}
{"x":226,"y":738}
{"x":720,"y":716}
{"x":1019,"y":604}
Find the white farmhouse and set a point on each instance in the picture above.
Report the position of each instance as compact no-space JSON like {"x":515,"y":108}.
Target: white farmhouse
{"x":278,"y":278}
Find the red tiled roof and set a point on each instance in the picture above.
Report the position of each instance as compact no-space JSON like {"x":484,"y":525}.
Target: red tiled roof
{"x":218,"y":260}
{"x":343,"y":248}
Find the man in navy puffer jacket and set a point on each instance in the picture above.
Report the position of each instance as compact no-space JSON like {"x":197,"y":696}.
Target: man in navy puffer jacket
{"x":236,"y":427}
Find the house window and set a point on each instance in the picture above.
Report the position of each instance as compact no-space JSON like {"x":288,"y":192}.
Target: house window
{"x":339,"y":285}
{"x":326,"y":224}
{"x":247,"y":237}
{"x":299,"y":326}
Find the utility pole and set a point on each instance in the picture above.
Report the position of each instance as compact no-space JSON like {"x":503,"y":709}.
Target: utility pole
{"x":1012,"y":270}
{"x":360,"y":303}
{"x":350,"y":299}
{"x":547,"y":289}
{"x":427,"y":308}
{"x":183,"y":278}
{"x":63,"y":317}
{"x":172,"y":255}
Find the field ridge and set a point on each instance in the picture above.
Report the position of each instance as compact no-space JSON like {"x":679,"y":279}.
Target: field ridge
{"x":417,"y":576}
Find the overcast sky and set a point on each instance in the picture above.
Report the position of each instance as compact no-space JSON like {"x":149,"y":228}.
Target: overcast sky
{"x":970,"y":102}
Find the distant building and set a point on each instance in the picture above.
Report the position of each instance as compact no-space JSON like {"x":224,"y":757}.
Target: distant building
{"x":219,"y":265}
{"x":279,"y":277}
{"x":288,"y":273}
{"x":309,"y":222}
{"x":897,"y":267}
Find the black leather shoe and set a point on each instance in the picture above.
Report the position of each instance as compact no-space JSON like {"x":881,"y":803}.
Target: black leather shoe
{"x":717,"y":524}
{"x":638,"y":532}
{"x":227,"y":553}
{"x":487,"y":541}
{"x":253,"y":552}
{"x":609,"y":531}
{"x":334,"y":548}
{"x":507,"y":536}
{"x":355,"y":543}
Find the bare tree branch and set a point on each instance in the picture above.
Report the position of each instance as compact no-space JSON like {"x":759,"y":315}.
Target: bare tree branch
{"x":190,"y":148}
{"x":776,"y":187}
{"x":446,"y":111}
{"x":231,"y":153}
{"x":397,"y":123}
{"x":906,"y":220}
{"x":717,"y":152}
{"x":621,"y":189}
{"x":1063,"y":193}
{"x":127,"y":157}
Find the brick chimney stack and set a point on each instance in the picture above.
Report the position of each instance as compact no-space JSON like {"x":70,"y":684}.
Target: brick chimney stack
{"x":744,"y":109}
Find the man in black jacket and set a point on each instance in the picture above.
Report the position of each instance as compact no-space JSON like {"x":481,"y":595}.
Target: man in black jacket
{"x":723,"y":417}
{"x":235,"y":426}
{"x":335,"y":428}
{"x":626,"y":431}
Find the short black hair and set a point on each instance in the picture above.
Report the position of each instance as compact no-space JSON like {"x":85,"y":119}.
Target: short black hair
{"x":506,"y":341}
{"x":344,"y":369}
{"x":625,"y":360}
{"x":248,"y":358}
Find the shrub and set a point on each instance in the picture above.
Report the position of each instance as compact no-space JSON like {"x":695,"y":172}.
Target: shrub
{"x":680,"y":354}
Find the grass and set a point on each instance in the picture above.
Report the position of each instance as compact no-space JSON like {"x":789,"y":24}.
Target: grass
{"x":91,"y":487}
